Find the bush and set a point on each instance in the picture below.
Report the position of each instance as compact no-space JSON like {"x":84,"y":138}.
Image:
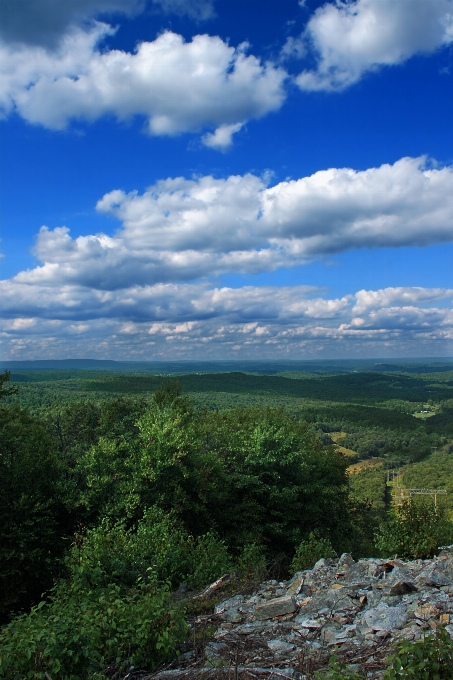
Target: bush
{"x":429,"y":659}
{"x":414,"y":531}
{"x":310,"y":551}
{"x":33,"y":520}
{"x":80,"y":632}
{"x":209,"y":559}
{"x":111,"y":553}
{"x":252,"y":561}
{"x":337,"y":671}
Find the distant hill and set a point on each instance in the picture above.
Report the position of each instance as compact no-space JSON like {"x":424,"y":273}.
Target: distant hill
{"x":430,"y":364}
{"x":55,"y":364}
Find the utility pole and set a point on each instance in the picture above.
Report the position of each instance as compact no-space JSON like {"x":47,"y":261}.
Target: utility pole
{"x":400,"y":493}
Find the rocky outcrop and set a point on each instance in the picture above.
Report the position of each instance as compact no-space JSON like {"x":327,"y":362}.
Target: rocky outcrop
{"x":356,"y":610}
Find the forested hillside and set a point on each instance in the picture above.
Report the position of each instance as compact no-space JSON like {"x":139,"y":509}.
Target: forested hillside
{"x":116,"y":488}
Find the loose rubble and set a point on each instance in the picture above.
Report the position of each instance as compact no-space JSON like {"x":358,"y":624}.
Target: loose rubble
{"x":355,"y":610}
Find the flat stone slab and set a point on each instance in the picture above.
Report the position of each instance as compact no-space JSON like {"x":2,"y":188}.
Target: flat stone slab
{"x":277,"y":607}
{"x":385,"y":618}
{"x":280,"y":646}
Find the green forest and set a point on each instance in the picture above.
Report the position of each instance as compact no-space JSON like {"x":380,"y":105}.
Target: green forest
{"x":117,"y":487}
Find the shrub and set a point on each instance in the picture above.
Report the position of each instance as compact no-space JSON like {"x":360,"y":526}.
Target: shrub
{"x":252,"y":561}
{"x":337,"y":671}
{"x":80,"y":632}
{"x":113,"y":553}
{"x":428,"y":659}
{"x":310,"y":551}
{"x":33,"y":520}
{"x":415,"y":530}
{"x":209,"y":559}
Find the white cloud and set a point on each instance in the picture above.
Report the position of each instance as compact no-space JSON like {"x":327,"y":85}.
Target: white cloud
{"x":196,"y":321}
{"x":351,"y":38}
{"x":182,"y":230}
{"x":222,"y":138}
{"x":369,"y":300}
{"x":177,"y":86}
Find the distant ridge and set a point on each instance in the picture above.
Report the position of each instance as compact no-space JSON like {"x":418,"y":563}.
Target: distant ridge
{"x":55,"y":364}
{"x":430,"y":364}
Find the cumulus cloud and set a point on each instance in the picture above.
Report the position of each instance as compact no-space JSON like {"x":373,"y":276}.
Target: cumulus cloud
{"x":222,"y":138}
{"x":350,"y":38}
{"x":196,"y":321}
{"x":369,"y":300}
{"x":176,"y":86}
{"x":44,"y":22}
{"x":166,"y":302}
{"x":182,"y":230}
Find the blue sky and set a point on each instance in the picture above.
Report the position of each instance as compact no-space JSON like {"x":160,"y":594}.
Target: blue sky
{"x":226,"y":179}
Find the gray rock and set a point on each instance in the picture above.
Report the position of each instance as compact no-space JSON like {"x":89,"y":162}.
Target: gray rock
{"x":279,"y":647}
{"x":301,"y":622}
{"x":320,"y":564}
{"x":276,"y":607}
{"x":231,"y":616}
{"x":213,"y":650}
{"x":251,"y":628}
{"x":434,"y":576}
{"x":231,"y":603}
{"x":385,"y":618}
{"x":347,"y":607}
{"x":296,"y":584}
{"x":329,"y":634}
{"x":402,"y":588}
{"x":346,"y":560}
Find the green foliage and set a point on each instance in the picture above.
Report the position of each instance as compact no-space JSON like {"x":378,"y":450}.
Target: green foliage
{"x":169,"y":395}
{"x":80,"y":632}
{"x":249,"y":475}
{"x":9,"y":390}
{"x":371,"y":484}
{"x":360,"y":387}
{"x":111,"y":553}
{"x":428,"y":659}
{"x":378,"y":442}
{"x":435,"y":472}
{"x":106,"y":472}
{"x":75,"y":428}
{"x":337,"y":671}
{"x":33,"y":520}
{"x":208,"y":560}
{"x":310,"y":551}
{"x":278,"y":481}
{"x":252,"y":561}
{"x":415,"y":530}
{"x":165,"y":491}
{"x":118,"y":417}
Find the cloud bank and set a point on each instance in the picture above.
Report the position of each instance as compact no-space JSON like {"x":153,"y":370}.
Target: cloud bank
{"x":176,"y":86}
{"x":55,"y":69}
{"x":351,"y":38}
{"x":194,"y":321}
{"x":145,"y":291}
{"x":182,"y":230}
